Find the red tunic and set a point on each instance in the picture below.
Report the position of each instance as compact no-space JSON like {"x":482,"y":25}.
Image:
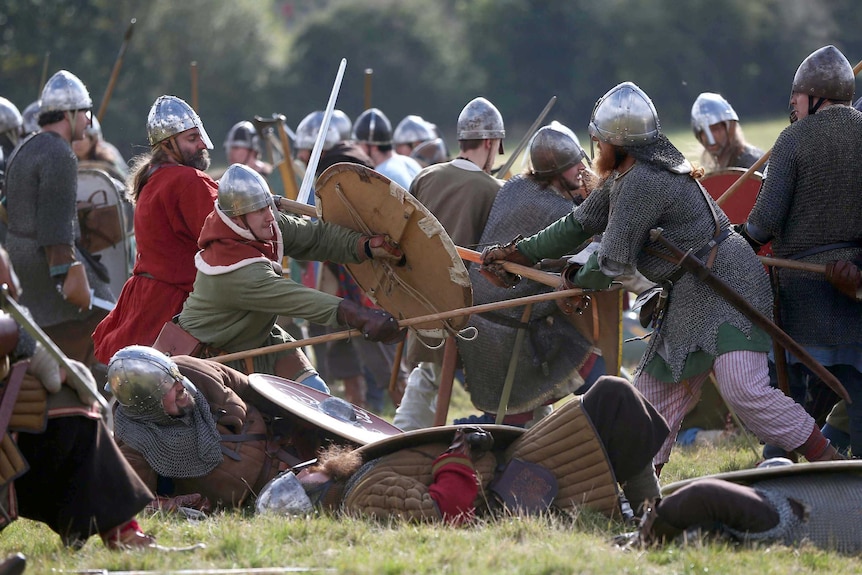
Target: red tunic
{"x":169,"y":215}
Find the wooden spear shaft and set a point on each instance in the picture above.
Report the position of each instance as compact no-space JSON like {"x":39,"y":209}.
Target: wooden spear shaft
{"x":793,"y":265}
{"x":493,"y":306}
{"x":118,"y":63}
{"x":735,"y":186}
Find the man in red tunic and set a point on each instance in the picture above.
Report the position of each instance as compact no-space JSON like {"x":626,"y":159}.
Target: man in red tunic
{"x":172,"y":196}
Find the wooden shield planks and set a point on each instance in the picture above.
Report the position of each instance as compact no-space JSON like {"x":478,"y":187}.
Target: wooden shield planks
{"x":434,"y":278}
{"x":740,"y":203}
{"x":100,"y":192}
{"x":356,"y":425}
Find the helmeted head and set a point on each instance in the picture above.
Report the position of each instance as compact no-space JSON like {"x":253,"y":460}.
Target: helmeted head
{"x":64,"y":92}
{"x":710,"y":109}
{"x":30,"y":116}
{"x":139,"y":377}
{"x":625,"y":116}
{"x":342,"y":124}
{"x":241,"y":135}
{"x":825,"y":73}
{"x":170,"y":116}
{"x":412,"y":130}
{"x":309,"y":127}
{"x":11,"y":121}
{"x":480,"y":120}
{"x":284,"y":495}
{"x":242,"y":190}
{"x":430,"y":152}
{"x":554,"y":149}
{"x":373,"y":127}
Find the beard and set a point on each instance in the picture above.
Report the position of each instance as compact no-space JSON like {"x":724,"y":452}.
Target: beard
{"x":200,"y":160}
{"x":605,"y":164}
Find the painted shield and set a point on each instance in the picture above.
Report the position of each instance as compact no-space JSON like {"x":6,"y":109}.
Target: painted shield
{"x":434,"y":278}
{"x":107,"y":226}
{"x":749,"y":476}
{"x":322,"y":410}
{"x":503,"y":436}
{"x":740,"y":203}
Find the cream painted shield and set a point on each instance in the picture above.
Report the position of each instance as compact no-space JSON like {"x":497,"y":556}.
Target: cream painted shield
{"x":434,"y":278}
{"x":100,"y":193}
{"x":323,"y":410}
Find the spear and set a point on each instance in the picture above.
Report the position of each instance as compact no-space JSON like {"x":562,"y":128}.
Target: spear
{"x":118,"y":63}
{"x":523,"y":143}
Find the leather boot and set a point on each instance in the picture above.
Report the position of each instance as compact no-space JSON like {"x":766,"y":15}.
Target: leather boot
{"x":13,"y":565}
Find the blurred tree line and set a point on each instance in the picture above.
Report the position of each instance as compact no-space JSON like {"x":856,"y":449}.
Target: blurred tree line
{"x":428,"y":58}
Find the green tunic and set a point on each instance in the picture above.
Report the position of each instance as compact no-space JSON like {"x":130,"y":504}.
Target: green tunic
{"x":237,"y":310}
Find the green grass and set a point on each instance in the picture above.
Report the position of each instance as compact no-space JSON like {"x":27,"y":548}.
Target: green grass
{"x":543,"y":545}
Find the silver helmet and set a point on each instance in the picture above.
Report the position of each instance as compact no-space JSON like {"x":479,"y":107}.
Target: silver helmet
{"x":825,"y":73}
{"x":170,"y":116}
{"x":284,"y":495}
{"x":413,"y":129}
{"x":373,"y":127}
{"x":64,"y":92}
{"x":242,"y":135}
{"x":31,"y":117}
{"x":554,"y":149}
{"x":710,"y":109}
{"x":625,"y":116}
{"x":241,"y":191}
{"x":480,"y":120}
{"x":10,"y":120}
{"x":140,"y":376}
{"x":342,"y":124}
{"x":306,"y":132}
{"x":431,"y":152}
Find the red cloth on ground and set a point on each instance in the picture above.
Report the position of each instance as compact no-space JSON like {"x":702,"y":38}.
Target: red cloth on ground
{"x":455,"y":488}
{"x":169,"y":215}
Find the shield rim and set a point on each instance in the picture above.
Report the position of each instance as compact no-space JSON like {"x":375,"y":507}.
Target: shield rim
{"x":503,"y":435}
{"x":263,"y":384}
{"x":747,"y":476}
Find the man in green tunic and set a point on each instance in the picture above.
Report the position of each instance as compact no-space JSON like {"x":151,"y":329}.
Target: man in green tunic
{"x":239,"y":290}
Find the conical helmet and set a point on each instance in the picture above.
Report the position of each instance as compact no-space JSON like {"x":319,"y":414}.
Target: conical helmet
{"x":241,"y":191}
{"x":412,"y":129}
{"x":140,"y":376}
{"x":170,"y":116}
{"x":306,"y":132}
{"x":64,"y":92}
{"x":554,"y":149}
{"x":480,"y":120}
{"x":625,"y":116}
{"x":373,"y":127}
{"x":709,"y":109}
{"x":826,"y":73}
{"x":242,"y":135}
{"x":342,"y":124}
{"x":10,"y":120}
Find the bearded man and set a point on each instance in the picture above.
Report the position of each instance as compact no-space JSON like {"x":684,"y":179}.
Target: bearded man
{"x":716,"y":126}
{"x":172,"y":196}
{"x":647,"y":183}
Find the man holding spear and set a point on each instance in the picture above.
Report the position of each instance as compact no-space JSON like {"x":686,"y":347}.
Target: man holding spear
{"x":647,"y":183}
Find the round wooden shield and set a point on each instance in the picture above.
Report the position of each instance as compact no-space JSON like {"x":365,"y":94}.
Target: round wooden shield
{"x":99,"y":193}
{"x":433,"y":280}
{"x":503,"y":436}
{"x":323,"y":410}
{"x":740,"y":203}
{"x":748,"y":476}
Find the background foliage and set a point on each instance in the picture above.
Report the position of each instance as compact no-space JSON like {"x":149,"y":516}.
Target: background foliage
{"x":430,"y":58}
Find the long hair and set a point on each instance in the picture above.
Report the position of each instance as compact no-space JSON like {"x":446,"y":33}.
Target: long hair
{"x":141,"y":170}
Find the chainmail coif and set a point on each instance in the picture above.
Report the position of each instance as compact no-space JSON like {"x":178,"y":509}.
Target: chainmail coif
{"x":176,"y":447}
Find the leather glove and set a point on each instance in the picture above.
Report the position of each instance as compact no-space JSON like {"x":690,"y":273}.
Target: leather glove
{"x":88,"y":388}
{"x":574,"y":304}
{"x":493,"y":270}
{"x":846,"y":278}
{"x":45,"y":368}
{"x":382,"y":247}
{"x":76,"y":287}
{"x":375,"y":324}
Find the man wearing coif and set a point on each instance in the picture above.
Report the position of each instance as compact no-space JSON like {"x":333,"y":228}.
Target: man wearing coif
{"x":239,"y":290}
